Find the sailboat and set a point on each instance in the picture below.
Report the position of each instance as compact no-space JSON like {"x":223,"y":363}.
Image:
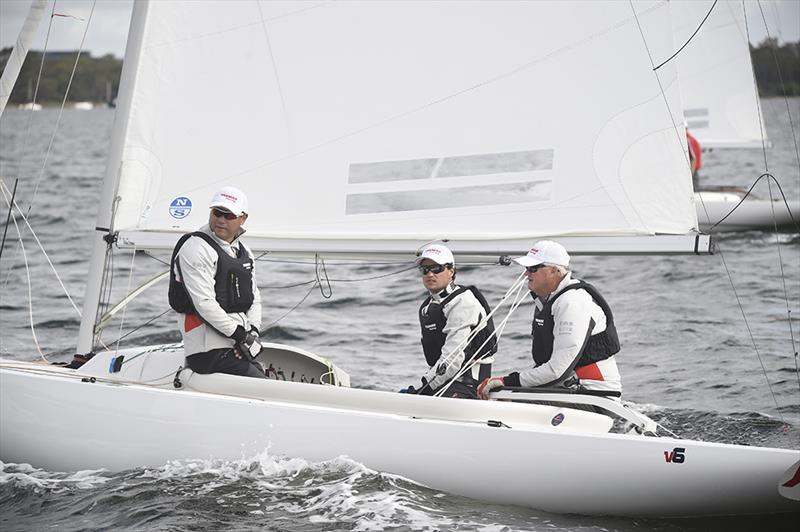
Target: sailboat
{"x":722,"y":110}
{"x":369,"y":139}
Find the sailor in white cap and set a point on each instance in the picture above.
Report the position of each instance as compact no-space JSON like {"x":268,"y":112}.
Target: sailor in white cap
{"x":574,"y":337}
{"x":448,"y":317}
{"x":213,"y":288}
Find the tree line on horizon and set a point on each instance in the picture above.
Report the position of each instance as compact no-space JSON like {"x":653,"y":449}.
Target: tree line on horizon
{"x":776,"y":67}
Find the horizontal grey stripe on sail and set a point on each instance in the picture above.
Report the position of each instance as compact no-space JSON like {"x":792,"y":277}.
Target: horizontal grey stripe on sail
{"x":702,"y":111}
{"x":458,"y":166}
{"x":448,"y":198}
{"x":696,"y":124}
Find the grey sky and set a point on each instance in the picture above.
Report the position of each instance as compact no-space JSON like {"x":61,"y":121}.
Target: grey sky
{"x":106,"y":34}
{"x":109,"y":25}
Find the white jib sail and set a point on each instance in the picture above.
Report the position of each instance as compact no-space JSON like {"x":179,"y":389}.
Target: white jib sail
{"x":365,"y":122}
{"x":719,"y":93}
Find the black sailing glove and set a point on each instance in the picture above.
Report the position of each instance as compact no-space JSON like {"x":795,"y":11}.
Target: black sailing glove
{"x":247,"y":343}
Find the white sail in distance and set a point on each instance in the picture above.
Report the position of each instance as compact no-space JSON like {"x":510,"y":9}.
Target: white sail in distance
{"x":719,"y":93}
{"x":20,"y":51}
{"x":354,"y":124}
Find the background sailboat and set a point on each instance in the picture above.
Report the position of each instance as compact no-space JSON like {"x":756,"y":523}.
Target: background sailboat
{"x":139,"y":160}
{"x":722,"y":110}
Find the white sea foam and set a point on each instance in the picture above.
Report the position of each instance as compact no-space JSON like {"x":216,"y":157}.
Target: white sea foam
{"x":27,"y":476}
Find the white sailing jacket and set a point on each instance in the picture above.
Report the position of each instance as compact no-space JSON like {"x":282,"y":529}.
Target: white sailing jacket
{"x":572,"y":313}
{"x":198,"y":266}
{"x":462,"y":313}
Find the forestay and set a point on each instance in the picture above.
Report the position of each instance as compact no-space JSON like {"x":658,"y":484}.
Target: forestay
{"x":720,"y":101}
{"x":353,"y":125}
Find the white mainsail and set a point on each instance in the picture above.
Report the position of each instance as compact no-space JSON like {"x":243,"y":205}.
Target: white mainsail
{"x":719,"y":93}
{"x":352,"y":124}
{"x":374,"y":127}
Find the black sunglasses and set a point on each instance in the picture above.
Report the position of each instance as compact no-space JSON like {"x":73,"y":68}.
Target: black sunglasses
{"x":535,"y":268}
{"x":438,"y":268}
{"x":219,"y":213}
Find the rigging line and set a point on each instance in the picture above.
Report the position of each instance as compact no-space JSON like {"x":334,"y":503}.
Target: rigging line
{"x":321,"y":266}
{"x":750,"y":333}
{"x":462,"y":345}
{"x":519,"y":296}
{"x":5,"y":191}
{"x":382,"y":276}
{"x":769,"y":181}
{"x":268,"y":287}
{"x":125,"y":308}
{"x":658,"y":80}
{"x":61,"y":110}
{"x":29,"y":123}
{"x":755,"y":87}
{"x":670,"y":58}
{"x":287,"y":123}
{"x":783,"y":196}
{"x":30,"y":294}
{"x":106,"y":283}
{"x":8,"y":217}
{"x":148,"y":322}
{"x":363,"y":262}
{"x":148,"y":254}
{"x":783,"y":90}
{"x":275,"y":322}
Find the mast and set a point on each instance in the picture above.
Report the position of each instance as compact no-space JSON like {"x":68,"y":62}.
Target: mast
{"x":17,"y":57}
{"x":104,"y":226}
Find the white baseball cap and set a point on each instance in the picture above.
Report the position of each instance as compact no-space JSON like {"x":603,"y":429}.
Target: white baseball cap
{"x":545,"y":251}
{"x":437,"y":253}
{"x":231,"y":199}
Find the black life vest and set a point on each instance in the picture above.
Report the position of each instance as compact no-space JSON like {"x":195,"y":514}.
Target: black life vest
{"x":598,"y":347}
{"x":233,"y":282}
{"x":432,"y":322}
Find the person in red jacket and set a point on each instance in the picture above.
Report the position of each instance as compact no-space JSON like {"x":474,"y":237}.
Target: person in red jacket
{"x":695,"y":161}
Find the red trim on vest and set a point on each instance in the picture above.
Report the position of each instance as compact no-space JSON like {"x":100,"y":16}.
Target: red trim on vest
{"x":589,"y":372}
{"x":191,"y":321}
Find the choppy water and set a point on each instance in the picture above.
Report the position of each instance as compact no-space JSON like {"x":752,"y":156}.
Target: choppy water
{"x":689,"y":357}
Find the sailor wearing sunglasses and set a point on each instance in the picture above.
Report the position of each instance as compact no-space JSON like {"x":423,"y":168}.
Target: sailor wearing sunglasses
{"x":448,"y":317}
{"x":574,"y":337}
{"x":214,"y":290}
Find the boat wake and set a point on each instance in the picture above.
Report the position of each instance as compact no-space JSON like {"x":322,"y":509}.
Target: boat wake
{"x":244,"y":494}
{"x":740,"y":428}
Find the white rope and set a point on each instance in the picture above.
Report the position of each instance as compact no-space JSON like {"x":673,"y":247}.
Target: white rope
{"x":28,"y":281}
{"x":61,"y":110}
{"x":58,"y":120}
{"x":130,"y":283}
{"x":7,"y":197}
{"x":514,"y":290}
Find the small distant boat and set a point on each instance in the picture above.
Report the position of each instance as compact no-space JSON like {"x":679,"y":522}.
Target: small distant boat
{"x":30,"y":106}
{"x":723,"y":209}
{"x":83,"y":106}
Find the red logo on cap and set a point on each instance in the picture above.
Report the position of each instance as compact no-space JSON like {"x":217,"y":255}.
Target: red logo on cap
{"x":228,"y":196}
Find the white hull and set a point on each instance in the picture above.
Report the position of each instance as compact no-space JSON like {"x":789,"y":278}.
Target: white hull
{"x":51,"y":418}
{"x":752,"y":214}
